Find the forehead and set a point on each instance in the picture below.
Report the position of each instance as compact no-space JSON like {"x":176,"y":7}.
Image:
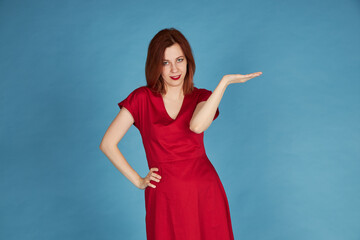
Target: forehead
{"x":173,"y":51}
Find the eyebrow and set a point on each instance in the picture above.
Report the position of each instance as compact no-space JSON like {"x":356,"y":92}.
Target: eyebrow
{"x":176,"y":58}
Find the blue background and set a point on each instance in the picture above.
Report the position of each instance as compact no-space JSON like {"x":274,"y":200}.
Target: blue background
{"x":285,"y":145}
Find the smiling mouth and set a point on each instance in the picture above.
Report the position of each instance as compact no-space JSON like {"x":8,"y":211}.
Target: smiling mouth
{"x":175,"y":77}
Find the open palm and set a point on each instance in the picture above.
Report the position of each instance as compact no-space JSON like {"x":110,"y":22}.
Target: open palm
{"x":239,"y":78}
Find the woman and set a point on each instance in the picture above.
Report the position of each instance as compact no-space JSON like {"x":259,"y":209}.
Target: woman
{"x":184,"y":197}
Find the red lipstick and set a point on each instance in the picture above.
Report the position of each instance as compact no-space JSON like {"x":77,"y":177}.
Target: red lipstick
{"x":175,"y":78}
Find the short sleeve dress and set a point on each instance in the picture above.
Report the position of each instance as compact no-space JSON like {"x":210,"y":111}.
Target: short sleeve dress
{"x":189,"y":202}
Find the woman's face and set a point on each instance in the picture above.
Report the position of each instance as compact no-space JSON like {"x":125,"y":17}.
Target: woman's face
{"x":174,"y":65}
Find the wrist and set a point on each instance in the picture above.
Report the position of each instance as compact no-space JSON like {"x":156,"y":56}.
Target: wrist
{"x":225,"y":82}
{"x":138,"y":182}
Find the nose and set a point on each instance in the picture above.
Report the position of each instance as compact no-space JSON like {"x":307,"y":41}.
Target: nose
{"x":173,"y":68}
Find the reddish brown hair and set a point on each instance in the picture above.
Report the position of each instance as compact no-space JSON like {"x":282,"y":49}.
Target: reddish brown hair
{"x":153,"y":67}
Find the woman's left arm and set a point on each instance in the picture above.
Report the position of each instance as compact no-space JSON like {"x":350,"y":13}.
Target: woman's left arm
{"x":205,"y":111}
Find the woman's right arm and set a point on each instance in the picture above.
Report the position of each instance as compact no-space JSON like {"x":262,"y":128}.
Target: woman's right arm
{"x":116,"y":131}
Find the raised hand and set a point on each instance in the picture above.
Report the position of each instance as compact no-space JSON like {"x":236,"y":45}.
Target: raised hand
{"x":239,"y":78}
{"x":145,"y":182}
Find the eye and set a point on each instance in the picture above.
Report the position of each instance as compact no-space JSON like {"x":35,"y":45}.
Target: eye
{"x":164,"y":63}
{"x":181,"y":59}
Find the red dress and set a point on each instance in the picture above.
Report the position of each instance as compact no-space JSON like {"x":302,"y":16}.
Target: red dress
{"x":189,"y":202}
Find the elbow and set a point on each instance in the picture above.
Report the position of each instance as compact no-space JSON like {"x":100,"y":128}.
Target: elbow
{"x":196,"y":129}
{"x":103,"y":146}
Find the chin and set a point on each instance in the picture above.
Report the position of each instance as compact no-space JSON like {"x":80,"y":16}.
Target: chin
{"x":175,"y":82}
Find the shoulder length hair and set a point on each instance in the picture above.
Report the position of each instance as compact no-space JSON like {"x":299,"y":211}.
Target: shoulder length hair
{"x":153,"y":67}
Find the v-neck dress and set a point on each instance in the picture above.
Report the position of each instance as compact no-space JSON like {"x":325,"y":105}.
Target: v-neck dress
{"x":189,"y":202}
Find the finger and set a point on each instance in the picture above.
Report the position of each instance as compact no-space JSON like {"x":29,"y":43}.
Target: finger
{"x":154,"y":179}
{"x":156,"y":175}
{"x":154,"y":169}
{"x":255,"y":73}
{"x":152,"y":185}
{"x":252,"y":75}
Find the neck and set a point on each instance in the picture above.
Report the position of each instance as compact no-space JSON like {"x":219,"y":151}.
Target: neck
{"x":174,"y":92}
